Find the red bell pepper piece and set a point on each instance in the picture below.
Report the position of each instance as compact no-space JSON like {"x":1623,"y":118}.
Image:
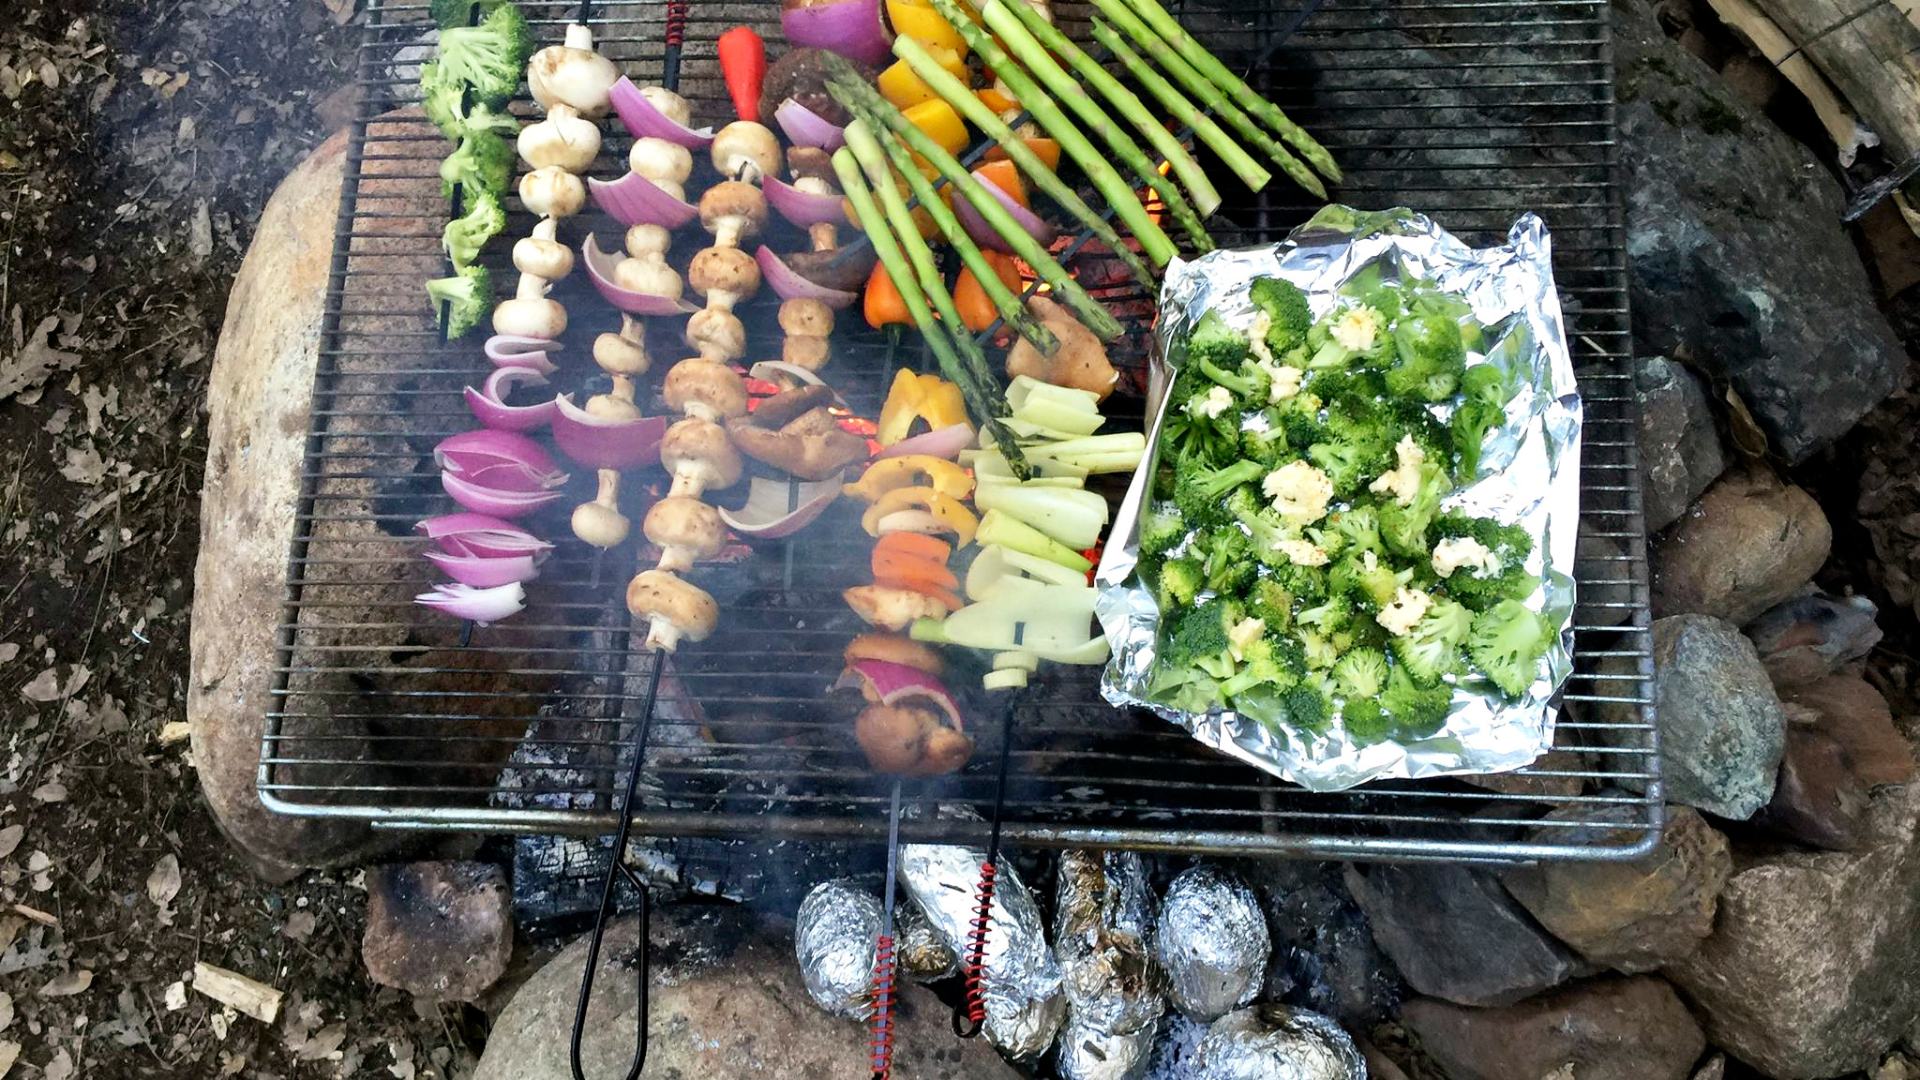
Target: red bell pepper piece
{"x":743,"y":60}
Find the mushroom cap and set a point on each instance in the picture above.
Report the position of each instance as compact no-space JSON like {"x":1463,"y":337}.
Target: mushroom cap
{"x":806,"y":352}
{"x":530,"y":317}
{"x":540,"y":257}
{"x":553,"y":192}
{"x":659,"y":160}
{"x":892,"y":608}
{"x":701,"y":446}
{"x":844,"y":268}
{"x":717,"y":333}
{"x":670,"y":105}
{"x":620,"y":356}
{"x":648,"y":276}
{"x":699,"y":387}
{"x":745,"y":142}
{"x":645,"y":239}
{"x":678,"y":521}
{"x":601,"y":526}
{"x":909,"y":740}
{"x":657,"y":594}
{"x":734,"y":199}
{"x":724,"y":269}
{"x":803,"y":316}
{"x":611,"y":408}
{"x":564,"y":138}
{"x":810,"y":161}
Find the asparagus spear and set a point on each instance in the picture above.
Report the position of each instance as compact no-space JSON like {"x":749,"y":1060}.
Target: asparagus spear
{"x":1011,"y":310}
{"x":1167,"y":34}
{"x":854,"y":92}
{"x":1181,"y":108}
{"x":1031,"y":38}
{"x":907,"y":279}
{"x":1153,"y":240}
{"x":1198,"y":85}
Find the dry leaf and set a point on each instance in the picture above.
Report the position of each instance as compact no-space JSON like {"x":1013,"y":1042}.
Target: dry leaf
{"x":44,"y":918}
{"x":342,"y":11}
{"x":60,"y":1068}
{"x":69,"y":984}
{"x":92,"y":872}
{"x":324,"y":1042}
{"x":176,"y":997}
{"x":1745,"y":431}
{"x":8,"y":650}
{"x":51,"y":792}
{"x":300,"y":925}
{"x":38,"y":861}
{"x":43,"y":687}
{"x":232,"y":1064}
{"x":36,"y":360}
{"x":10,"y":839}
{"x":9,"y":1053}
{"x":6,"y":1012}
{"x":163,"y":882}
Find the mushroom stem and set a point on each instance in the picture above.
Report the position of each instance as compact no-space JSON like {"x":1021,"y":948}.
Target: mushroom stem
{"x":687,"y":484}
{"x":547,"y":228}
{"x":531,"y":287}
{"x":600,"y":522}
{"x":662,"y":634}
{"x":580,"y":36}
{"x":825,"y":236}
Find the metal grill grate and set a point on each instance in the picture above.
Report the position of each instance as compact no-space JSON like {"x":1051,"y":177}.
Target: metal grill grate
{"x":1472,"y":111}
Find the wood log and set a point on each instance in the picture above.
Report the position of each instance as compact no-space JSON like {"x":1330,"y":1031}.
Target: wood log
{"x":1871,"y":54}
{"x":1767,"y":39}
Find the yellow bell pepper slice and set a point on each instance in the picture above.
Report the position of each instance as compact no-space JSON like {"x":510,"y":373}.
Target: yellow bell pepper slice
{"x":950,"y":512}
{"x":922,"y":23}
{"x":901,"y":409}
{"x":941,"y":123}
{"x":901,"y":86}
{"x":911,"y":470}
{"x":941,"y":404}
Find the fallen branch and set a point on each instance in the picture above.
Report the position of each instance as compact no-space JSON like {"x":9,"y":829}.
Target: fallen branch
{"x":255,"y":999}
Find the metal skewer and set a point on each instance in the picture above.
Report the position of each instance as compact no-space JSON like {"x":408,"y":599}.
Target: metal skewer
{"x":883,"y":963}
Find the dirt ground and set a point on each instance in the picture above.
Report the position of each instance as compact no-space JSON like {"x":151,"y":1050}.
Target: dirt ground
{"x":139,"y":140}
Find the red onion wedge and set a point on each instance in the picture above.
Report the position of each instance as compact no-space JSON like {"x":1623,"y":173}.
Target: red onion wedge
{"x":599,"y":443}
{"x":512,"y":350}
{"x":600,"y":266}
{"x":483,"y":573}
{"x":803,"y":208}
{"x":502,"y":458}
{"x":645,"y":121}
{"x":944,"y":443}
{"x":787,"y":282}
{"x":804,"y":127}
{"x":848,"y":27}
{"x":478,"y":605}
{"x":777,"y":508}
{"x":487,"y":537}
{"x":884,"y":682}
{"x":771,"y":371}
{"x":635,"y":200}
{"x":489,"y":403}
{"x":494,"y":501}
{"x":983,"y":233}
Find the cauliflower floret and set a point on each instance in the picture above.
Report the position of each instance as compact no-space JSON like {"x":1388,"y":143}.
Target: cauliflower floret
{"x":1464,"y":552}
{"x":1244,"y":633}
{"x":1283,"y":382}
{"x":1303,"y":552}
{"x":1219,"y":400}
{"x":1257,"y":338}
{"x":1300,"y":492}
{"x":1407,"y":608}
{"x":1403,"y":480}
{"x":1357,"y":328}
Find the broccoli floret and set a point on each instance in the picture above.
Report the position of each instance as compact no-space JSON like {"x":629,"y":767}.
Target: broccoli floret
{"x":1161,"y":530}
{"x":1286,"y":307}
{"x":1404,"y":526}
{"x":1510,"y":546}
{"x":1361,"y":673}
{"x":1365,"y":721}
{"x":1230,"y":562}
{"x":1350,"y":465}
{"x":483,"y":162}
{"x":1506,"y":643}
{"x":1186,"y":689}
{"x":1358,"y":529}
{"x":1471,"y":422}
{"x":1412,"y":420}
{"x":1416,"y":710}
{"x":1193,"y":438}
{"x":464,"y":236}
{"x":1298,"y":418}
{"x":451,"y":13}
{"x":1198,"y":639}
{"x":1279,"y":665}
{"x":488,"y":57}
{"x":1201,"y":492}
{"x":1306,"y":707}
{"x":1213,"y":342}
{"x":1432,"y":649}
{"x":1319,"y":649}
{"x":1263,"y":525}
{"x":1353,"y":391}
{"x":1248,"y":381}
{"x":1371,"y":583}
{"x":1180,"y":581}
{"x":1271,"y":603}
{"x":469,"y":295}
{"x":1267,"y":444}
{"x":440,"y":97}
{"x":1430,"y":358}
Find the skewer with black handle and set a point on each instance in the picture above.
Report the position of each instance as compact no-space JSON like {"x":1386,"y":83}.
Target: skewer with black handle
{"x":673,"y":35}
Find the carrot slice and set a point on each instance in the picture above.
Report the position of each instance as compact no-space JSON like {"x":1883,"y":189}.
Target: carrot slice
{"x":893,"y":564}
{"x":918,"y":545}
{"x":950,"y":600}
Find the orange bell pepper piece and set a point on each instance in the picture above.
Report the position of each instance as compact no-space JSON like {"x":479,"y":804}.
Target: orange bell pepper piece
{"x":911,"y":470}
{"x":976,"y":310}
{"x":997,"y":99}
{"x":890,"y":565}
{"x":951,"y":513}
{"x":1046,"y":149}
{"x":916,"y":545}
{"x":1003,"y":175}
{"x":884,"y":306}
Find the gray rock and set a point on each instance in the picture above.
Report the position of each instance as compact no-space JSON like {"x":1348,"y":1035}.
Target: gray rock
{"x":1679,"y":445}
{"x":1714,"y":1069}
{"x":1748,"y":544}
{"x":1854,"y":713}
{"x":1456,"y":934}
{"x":1722,"y":730}
{"x":1607,"y":1029}
{"x":724,"y":1001}
{"x":1813,"y":958}
{"x":1631,"y":916}
{"x":1818,"y":801}
{"x":440,"y":930}
{"x":1813,"y":635}
{"x":1737,"y":252}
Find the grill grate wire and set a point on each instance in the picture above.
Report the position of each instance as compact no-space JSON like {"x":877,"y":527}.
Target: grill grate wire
{"x":1470,"y":110}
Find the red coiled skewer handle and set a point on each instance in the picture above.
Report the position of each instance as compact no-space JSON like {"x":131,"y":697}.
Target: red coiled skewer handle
{"x":966,"y":1022}
{"x":882,"y":1041}
{"x":676,"y":22}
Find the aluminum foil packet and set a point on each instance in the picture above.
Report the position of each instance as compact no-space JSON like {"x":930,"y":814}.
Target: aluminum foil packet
{"x":1274,"y":1042}
{"x":1089,"y":1052}
{"x":835,"y":937}
{"x":1103,"y":918}
{"x":1532,"y":465}
{"x":922,"y":954}
{"x":1025,"y":999}
{"x":1212,"y":942}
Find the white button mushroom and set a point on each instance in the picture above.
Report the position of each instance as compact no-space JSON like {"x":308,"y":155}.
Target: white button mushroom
{"x":686,"y":530}
{"x":744,"y":150}
{"x":699,"y":457}
{"x":553,"y":192}
{"x":572,"y":74}
{"x":804,"y":316}
{"x":529,"y":313}
{"x":564,"y":138}
{"x":733,"y":210}
{"x":668,"y":104}
{"x":661,"y":161}
{"x":600,"y":522}
{"x":624,"y":353}
{"x":724,"y":275}
{"x":616,"y":405}
{"x":706,"y":389}
{"x":674,"y":609}
{"x":805,"y":351}
{"x":541,"y":255}
{"x":717,"y":334}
